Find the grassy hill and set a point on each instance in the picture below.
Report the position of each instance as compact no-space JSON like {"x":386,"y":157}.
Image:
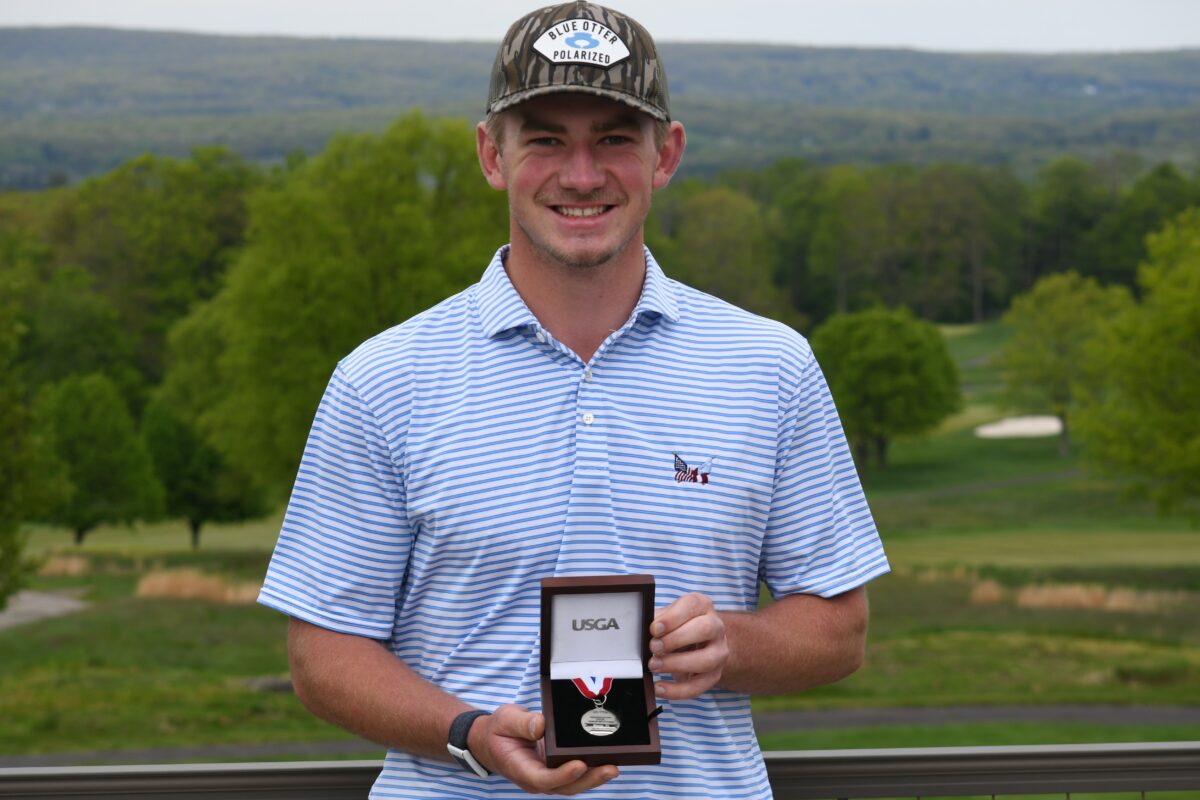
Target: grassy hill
{"x":76,"y":101}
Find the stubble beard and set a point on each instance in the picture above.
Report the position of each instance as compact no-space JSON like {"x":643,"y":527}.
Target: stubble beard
{"x":575,"y":261}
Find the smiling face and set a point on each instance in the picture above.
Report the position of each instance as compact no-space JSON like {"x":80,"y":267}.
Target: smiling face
{"x":579,"y":171}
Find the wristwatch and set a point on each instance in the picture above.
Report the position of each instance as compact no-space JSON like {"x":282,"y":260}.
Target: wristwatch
{"x":457,"y":742}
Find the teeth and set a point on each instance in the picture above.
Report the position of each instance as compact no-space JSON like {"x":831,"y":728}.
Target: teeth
{"x":580,"y":212}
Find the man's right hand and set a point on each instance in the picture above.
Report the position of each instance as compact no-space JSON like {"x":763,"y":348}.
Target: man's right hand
{"x":506,"y":742}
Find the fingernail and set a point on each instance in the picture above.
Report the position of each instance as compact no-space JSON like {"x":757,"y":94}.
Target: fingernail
{"x":655,"y":664}
{"x":659,"y":629}
{"x":656,"y":646}
{"x":659,"y":689}
{"x":532,"y":728}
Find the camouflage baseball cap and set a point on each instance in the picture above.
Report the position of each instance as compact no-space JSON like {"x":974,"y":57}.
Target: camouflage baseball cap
{"x":579,"y":47}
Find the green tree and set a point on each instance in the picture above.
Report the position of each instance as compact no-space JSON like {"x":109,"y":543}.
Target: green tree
{"x":959,"y":236}
{"x":789,"y":194}
{"x":30,"y":479}
{"x":69,"y":327}
{"x":74,"y":330}
{"x":1068,"y":199}
{"x":111,"y":476}
{"x":1138,"y":414}
{"x":156,"y":234}
{"x":344,"y":245}
{"x":890,"y":375}
{"x":1118,"y":243}
{"x":851,"y":244}
{"x":1042,"y":361}
{"x":721,"y":248}
{"x":200,"y":487}
{"x":194,"y":387}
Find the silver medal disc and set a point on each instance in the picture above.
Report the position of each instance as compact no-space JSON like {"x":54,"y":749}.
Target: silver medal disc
{"x":600,"y":722}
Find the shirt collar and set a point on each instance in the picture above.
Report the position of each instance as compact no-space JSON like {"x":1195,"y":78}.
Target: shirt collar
{"x":658,"y":292}
{"x":501,"y":309}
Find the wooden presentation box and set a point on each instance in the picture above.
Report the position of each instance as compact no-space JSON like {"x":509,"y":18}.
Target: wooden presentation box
{"x":598,"y":626}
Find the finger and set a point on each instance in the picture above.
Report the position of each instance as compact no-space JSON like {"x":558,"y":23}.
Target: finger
{"x":518,"y":723}
{"x":668,"y":618}
{"x":703,"y":659}
{"x":691,"y":686}
{"x":517,"y":750}
{"x":538,"y":778}
{"x":514,"y":753}
{"x":518,"y":761}
{"x":522,"y":766}
{"x":696,"y":631}
{"x":597,"y":776}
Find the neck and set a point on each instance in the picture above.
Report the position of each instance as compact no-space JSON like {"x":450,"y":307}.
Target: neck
{"x":580,"y":306}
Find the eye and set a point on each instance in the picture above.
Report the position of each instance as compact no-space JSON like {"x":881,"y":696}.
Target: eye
{"x":543,"y":141}
{"x":616,"y":139}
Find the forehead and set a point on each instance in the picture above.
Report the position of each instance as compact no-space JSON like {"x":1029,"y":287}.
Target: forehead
{"x":564,"y":108}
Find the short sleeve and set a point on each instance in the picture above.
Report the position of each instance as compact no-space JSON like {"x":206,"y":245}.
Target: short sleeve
{"x":820,"y":536}
{"x":344,"y":546}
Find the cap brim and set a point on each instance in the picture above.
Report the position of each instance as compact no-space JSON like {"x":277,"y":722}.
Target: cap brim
{"x":528,"y":94}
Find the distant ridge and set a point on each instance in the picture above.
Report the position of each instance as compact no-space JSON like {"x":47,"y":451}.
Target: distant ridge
{"x":74,"y":101}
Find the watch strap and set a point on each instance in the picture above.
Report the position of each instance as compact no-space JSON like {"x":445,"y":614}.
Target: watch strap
{"x":456,"y":743}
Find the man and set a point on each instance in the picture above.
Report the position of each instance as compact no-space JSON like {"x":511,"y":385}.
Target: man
{"x":575,"y":412}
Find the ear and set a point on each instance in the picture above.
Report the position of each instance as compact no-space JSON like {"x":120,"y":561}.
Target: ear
{"x":670,"y":154}
{"x":490,"y":158}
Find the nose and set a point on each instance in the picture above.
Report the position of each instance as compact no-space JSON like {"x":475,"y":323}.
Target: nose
{"x":581,"y":172}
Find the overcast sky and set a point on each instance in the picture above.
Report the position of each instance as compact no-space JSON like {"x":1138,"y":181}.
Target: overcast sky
{"x":962,"y":25}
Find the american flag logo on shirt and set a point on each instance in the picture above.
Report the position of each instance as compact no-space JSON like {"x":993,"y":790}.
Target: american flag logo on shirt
{"x":684,"y":474}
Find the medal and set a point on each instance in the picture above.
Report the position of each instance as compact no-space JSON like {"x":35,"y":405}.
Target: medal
{"x":598,"y":721}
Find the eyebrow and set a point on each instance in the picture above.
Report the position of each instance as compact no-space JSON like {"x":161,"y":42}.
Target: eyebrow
{"x":531,"y":122}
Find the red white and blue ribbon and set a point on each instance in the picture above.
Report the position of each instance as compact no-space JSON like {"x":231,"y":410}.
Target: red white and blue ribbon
{"x":593,"y":687}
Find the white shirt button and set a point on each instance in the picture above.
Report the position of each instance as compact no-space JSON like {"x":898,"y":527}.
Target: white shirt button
{"x":589,"y":418}
{"x":587,"y":375}
{"x":541,"y":337}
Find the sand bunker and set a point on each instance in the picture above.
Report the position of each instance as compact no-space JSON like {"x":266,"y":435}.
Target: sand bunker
{"x":191,"y":584}
{"x":1021,"y":428}
{"x":1075,"y":595}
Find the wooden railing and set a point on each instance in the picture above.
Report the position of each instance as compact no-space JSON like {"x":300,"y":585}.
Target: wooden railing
{"x":924,"y":772}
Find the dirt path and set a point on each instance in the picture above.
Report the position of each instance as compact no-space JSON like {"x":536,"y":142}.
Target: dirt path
{"x":28,"y":606}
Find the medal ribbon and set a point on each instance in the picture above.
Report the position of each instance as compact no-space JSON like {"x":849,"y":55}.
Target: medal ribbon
{"x":593,"y":687}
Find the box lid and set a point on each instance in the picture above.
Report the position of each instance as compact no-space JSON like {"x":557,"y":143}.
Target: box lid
{"x":596,"y":626}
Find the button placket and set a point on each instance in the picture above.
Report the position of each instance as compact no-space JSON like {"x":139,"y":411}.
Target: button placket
{"x":587,"y":396}
{"x":590,"y":516}
{"x":591,"y":455}
{"x":586,"y":405}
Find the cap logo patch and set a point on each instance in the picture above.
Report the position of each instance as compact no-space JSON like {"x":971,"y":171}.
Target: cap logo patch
{"x":581,"y":41}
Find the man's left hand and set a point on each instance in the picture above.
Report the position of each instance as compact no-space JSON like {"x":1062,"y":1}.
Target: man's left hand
{"x":688,"y":642}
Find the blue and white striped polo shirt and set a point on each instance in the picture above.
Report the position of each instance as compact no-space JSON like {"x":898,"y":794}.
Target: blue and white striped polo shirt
{"x":462,"y":456}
